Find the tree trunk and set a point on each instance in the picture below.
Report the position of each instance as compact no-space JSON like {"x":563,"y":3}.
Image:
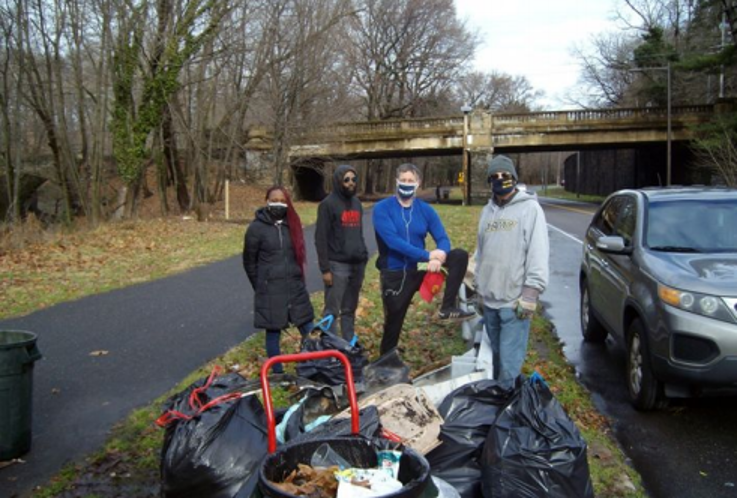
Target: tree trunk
{"x":172,"y":161}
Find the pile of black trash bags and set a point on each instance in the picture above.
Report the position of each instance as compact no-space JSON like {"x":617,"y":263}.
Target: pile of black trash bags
{"x":510,"y":439}
{"x":499,"y":439}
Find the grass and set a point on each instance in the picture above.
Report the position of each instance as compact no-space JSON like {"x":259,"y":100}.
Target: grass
{"x":560,"y":193}
{"x":64,"y":266}
{"x":129,"y":462}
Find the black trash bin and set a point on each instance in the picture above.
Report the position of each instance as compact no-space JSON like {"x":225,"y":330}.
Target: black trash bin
{"x":18,"y":353}
{"x":358,"y":451}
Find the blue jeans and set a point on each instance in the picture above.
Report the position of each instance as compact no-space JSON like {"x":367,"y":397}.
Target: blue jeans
{"x":509,"y":337}
{"x":272,"y":343}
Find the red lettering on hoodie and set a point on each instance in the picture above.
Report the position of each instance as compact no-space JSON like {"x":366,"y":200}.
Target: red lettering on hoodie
{"x":351,"y":219}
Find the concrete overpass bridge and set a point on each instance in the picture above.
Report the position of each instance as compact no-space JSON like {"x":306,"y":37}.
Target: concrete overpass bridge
{"x":643,"y":130}
{"x":503,"y":133}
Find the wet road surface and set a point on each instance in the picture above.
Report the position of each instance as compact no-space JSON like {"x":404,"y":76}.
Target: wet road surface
{"x":687,"y":450}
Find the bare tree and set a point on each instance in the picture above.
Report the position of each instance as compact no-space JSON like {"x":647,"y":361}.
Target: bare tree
{"x":10,"y":128}
{"x":497,"y":92}
{"x":404,"y":51}
{"x":404,"y":54}
{"x":298,"y":75}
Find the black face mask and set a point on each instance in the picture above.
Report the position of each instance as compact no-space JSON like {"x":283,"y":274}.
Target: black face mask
{"x":502,"y":186}
{"x":277,"y":210}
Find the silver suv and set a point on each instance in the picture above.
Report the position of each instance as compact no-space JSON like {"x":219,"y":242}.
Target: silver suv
{"x":659,"y":274}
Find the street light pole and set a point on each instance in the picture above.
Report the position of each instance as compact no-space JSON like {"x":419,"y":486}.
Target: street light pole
{"x":668,"y":124}
{"x":465,"y":167}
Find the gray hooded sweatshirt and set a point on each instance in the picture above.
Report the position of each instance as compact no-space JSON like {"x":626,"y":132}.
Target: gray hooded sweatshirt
{"x":512,"y":251}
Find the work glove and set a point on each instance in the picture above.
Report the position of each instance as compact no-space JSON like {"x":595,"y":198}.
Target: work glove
{"x":527,"y":303}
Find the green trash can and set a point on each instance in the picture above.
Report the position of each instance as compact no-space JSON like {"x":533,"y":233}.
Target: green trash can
{"x":18,"y":353}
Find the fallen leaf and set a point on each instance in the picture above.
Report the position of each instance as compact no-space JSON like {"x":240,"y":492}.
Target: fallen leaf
{"x":100,"y":352}
{"x":55,"y":390}
{"x":703,"y":474}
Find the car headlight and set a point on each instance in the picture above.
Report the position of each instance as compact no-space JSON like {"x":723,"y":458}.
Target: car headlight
{"x":702,"y":304}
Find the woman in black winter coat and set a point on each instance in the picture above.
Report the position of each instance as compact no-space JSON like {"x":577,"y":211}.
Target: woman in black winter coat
{"x":274,"y":258}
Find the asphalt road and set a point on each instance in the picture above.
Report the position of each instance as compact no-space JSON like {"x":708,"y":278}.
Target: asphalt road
{"x":687,"y":450}
{"x":155,"y":334}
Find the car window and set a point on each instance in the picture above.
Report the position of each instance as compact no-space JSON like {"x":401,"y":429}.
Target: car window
{"x":625,"y":225}
{"x":605,"y":222}
{"x":692,"y":225}
{"x":618,"y":217}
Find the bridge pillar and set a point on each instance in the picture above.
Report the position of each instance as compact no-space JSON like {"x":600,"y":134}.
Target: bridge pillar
{"x":478,"y":159}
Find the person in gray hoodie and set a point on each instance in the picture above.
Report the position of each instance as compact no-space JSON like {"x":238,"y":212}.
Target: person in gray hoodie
{"x":342,"y":253}
{"x":511,"y":265}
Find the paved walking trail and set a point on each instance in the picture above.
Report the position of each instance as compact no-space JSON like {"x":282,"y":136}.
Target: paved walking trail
{"x":155,"y":334}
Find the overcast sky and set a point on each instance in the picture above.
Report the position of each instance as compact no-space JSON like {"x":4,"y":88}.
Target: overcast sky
{"x":533,"y":38}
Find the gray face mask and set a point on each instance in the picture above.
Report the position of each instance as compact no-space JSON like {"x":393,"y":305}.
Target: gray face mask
{"x":406,"y":190}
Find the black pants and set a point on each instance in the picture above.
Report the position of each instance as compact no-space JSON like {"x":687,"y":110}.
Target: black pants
{"x":399,"y":287}
{"x":342,"y":298}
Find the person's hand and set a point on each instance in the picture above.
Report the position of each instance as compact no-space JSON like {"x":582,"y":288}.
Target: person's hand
{"x":434,"y":266}
{"x":438,"y":255}
{"x":526,"y":307}
{"x":328,"y":279}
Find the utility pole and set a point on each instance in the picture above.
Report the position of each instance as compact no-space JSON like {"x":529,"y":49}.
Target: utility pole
{"x":668,"y":124}
{"x":723,"y":28}
{"x":578,"y":177}
{"x":465,"y":167}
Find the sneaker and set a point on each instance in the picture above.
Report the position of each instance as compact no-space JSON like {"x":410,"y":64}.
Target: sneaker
{"x":455,"y":314}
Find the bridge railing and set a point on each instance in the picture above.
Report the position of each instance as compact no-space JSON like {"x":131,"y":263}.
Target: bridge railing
{"x":454,"y":124}
{"x":601,"y":114}
{"x":389,"y":127}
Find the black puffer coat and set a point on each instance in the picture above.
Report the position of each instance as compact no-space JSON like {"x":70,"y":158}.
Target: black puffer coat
{"x":280,"y":296}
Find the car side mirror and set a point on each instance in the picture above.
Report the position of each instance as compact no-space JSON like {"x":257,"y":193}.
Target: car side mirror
{"x":613,"y":244}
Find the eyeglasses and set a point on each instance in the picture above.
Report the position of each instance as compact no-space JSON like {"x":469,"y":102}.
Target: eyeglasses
{"x":349,"y":179}
{"x":499,"y":176}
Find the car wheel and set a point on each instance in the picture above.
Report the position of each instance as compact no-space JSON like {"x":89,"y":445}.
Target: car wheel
{"x":646,"y":393}
{"x":592,"y":329}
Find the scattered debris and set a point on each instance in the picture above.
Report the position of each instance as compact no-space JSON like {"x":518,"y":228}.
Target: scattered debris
{"x":307,"y":481}
{"x":8,"y":463}
{"x":623,"y":486}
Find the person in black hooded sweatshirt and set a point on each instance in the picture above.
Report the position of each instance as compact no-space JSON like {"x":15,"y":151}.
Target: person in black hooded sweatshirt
{"x":342,"y":253}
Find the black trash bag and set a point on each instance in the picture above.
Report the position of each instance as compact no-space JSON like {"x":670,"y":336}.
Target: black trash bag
{"x":534,"y":449}
{"x":369,"y":426}
{"x":386,"y":371}
{"x":316,"y":403}
{"x":215,"y":440}
{"x":468,"y":413}
{"x":330,"y":371}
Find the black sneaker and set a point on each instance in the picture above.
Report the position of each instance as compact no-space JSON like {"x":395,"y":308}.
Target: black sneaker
{"x":455,"y":314}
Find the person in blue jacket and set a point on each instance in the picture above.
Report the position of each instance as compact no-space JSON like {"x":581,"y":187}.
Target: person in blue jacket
{"x":401,"y":224}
